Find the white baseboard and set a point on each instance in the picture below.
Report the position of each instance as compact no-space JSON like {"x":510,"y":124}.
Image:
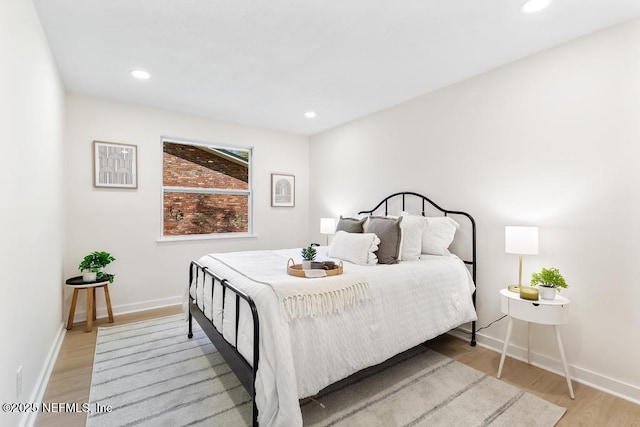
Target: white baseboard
{"x":584,"y":376}
{"x":81,"y":316}
{"x":29,"y":418}
{"x":598,"y":381}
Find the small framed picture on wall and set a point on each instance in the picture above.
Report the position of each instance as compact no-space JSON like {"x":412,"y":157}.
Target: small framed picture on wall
{"x":115,"y":165}
{"x":283,"y":190}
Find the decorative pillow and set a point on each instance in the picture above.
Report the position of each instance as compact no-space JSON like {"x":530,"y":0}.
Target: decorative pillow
{"x":350,"y":225}
{"x":412,"y":229}
{"x":366,"y":224}
{"x":388,"y":230}
{"x":358,"y":248}
{"x":438,"y":235}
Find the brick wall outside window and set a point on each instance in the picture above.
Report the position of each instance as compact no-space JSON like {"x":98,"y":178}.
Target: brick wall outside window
{"x":186,"y":213}
{"x":190,"y":166}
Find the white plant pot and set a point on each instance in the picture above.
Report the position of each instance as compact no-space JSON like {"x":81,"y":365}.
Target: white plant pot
{"x":306,"y":265}
{"x":88,"y":277}
{"x":547,"y":293}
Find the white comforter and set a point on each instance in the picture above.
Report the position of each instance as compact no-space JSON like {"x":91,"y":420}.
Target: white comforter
{"x":410,"y":303}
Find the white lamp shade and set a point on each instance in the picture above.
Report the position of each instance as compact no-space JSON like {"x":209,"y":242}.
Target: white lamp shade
{"x":521,"y":240}
{"x":327,"y":225}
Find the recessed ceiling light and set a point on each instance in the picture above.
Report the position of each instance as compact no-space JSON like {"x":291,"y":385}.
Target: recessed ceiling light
{"x":140,"y":74}
{"x":531,"y":6}
{"x":310,"y":114}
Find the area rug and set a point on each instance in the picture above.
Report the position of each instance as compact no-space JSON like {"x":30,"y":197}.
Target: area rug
{"x":149,"y":374}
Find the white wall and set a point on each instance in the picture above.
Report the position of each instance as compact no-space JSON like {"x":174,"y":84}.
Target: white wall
{"x":31,"y":118}
{"x":551,"y":140}
{"x":126,"y":222}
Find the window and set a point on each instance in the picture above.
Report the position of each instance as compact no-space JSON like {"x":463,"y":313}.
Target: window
{"x":206,"y":189}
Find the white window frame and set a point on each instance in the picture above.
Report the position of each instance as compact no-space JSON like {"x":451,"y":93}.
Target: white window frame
{"x":170,"y":189}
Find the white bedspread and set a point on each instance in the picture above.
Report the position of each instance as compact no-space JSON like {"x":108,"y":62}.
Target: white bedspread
{"x":300,"y":296}
{"x":409,"y":303}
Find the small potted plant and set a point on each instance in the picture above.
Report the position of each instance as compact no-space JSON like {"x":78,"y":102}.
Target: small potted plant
{"x":92,"y":265}
{"x":550,"y":281}
{"x":308,"y":255}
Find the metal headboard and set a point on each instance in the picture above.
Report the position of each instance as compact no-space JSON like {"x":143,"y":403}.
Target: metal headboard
{"x":472,"y":262}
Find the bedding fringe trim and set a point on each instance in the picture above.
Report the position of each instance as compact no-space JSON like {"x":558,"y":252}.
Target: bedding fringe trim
{"x":327,"y":302}
{"x":299,"y":297}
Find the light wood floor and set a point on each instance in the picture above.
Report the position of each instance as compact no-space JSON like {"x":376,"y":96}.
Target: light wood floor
{"x":71,"y":379}
{"x":591,"y":407}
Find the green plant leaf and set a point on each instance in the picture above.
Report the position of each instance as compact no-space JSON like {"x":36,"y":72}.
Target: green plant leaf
{"x":96,"y":261}
{"x":308,"y":253}
{"x":549,"y":277}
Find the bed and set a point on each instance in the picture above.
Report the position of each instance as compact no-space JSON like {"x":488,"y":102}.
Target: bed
{"x":286,"y":338}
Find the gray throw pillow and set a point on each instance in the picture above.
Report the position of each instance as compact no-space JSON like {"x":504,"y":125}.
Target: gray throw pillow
{"x":388,"y":231}
{"x":350,"y":225}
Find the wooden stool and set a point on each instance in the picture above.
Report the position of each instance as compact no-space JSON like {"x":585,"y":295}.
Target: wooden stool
{"x":78,"y":284}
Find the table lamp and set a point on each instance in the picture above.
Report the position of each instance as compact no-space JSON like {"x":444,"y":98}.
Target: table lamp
{"x":327,"y":226}
{"x":521,"y":241}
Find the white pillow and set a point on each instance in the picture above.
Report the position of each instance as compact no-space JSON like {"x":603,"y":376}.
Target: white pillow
{"x":438,"y":235}
{"x":358,"y":248}
{"x":412,"y":227}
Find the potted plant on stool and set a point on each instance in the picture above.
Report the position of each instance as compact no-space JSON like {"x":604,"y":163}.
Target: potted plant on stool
{"x":92,"y":265}
{"x":550,"y":281}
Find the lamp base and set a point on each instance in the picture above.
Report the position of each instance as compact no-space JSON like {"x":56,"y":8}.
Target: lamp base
{"x":529,"y":293}
{"x":514,"y":288}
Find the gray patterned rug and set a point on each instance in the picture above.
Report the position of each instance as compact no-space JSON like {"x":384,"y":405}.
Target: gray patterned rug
{"x":149,"y":374}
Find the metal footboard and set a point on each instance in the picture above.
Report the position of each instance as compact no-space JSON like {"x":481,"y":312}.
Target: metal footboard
{"x":245,"y":371}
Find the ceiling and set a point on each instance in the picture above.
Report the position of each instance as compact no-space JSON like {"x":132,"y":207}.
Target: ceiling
{"x":265,"y":63}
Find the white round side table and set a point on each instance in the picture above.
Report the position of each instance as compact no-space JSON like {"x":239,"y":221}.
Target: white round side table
{"x":546,"y":312}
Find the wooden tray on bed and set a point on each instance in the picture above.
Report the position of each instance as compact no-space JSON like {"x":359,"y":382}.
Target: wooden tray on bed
{"x":294,"y":269}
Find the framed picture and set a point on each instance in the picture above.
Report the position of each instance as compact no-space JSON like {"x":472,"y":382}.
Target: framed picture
{"x":283,"y":190}
{"x":115,"y":165}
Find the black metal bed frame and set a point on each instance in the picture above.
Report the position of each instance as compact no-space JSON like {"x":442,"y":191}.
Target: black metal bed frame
{"x":243,"y":369}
